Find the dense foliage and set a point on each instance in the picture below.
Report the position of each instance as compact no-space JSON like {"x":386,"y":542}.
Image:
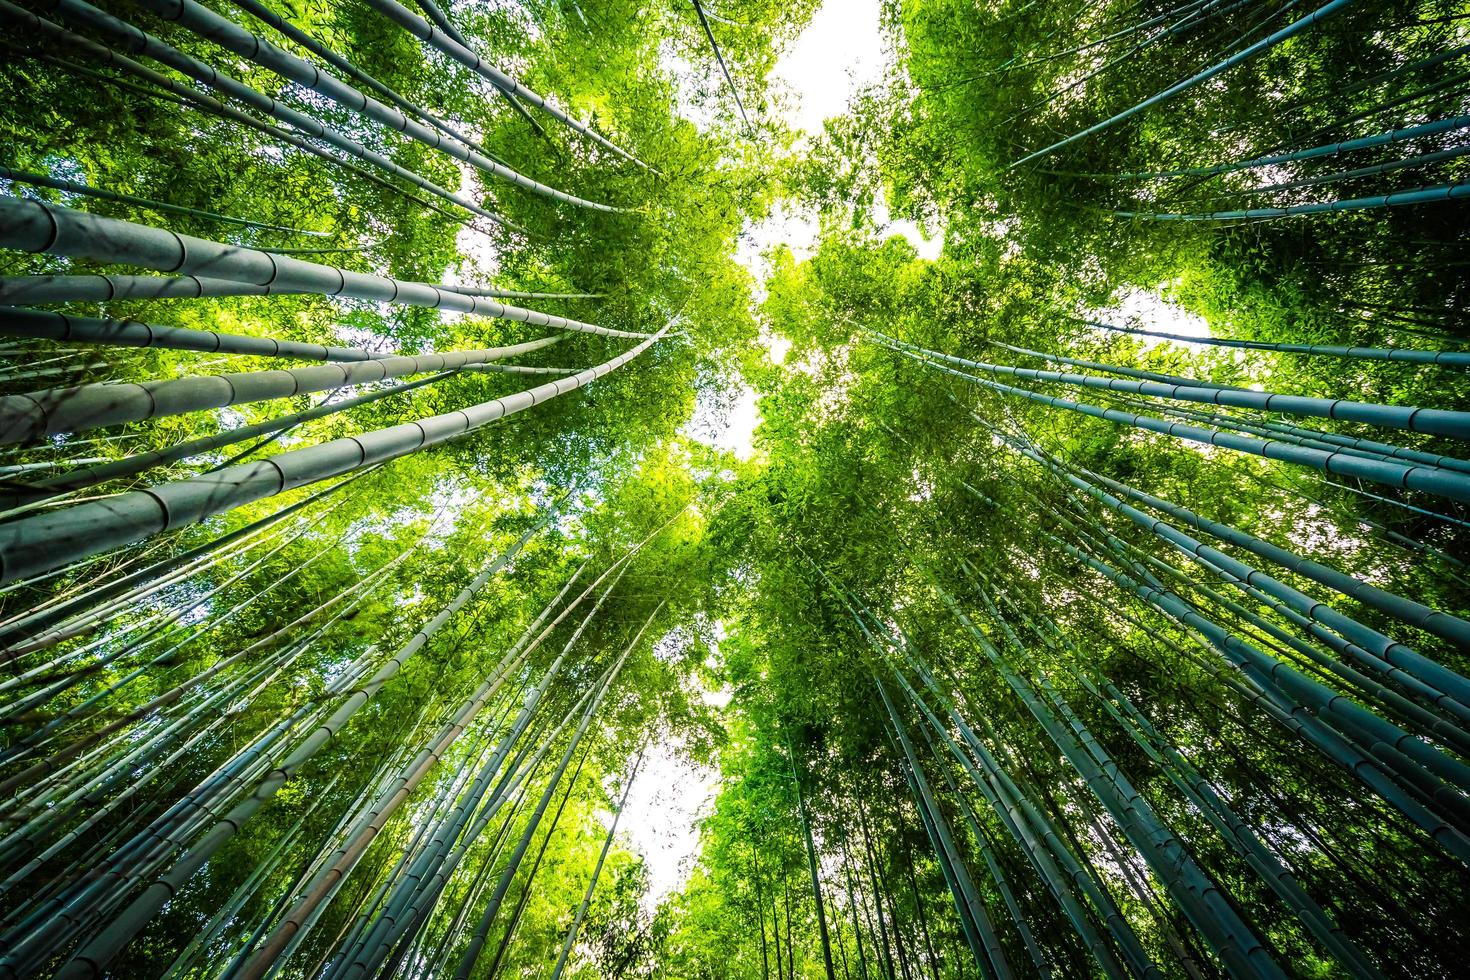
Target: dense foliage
{"x":1093,"y":602}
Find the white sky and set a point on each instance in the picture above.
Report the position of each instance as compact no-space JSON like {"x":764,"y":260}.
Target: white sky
{"x":1150,"y":309}
{"x":840,"y":50}
{"x":667,"y":800}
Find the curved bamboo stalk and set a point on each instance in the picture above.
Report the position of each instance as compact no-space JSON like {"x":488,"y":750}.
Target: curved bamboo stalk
{"x":107,"y":471}
{"x":1420,"y":195}
{"x":1125,"y":372}
{"x":31,"y":226}
{"x":1292,"y":29}
{"x":1429,"y":420}
{"x":18,"y":321}
{"x":426,"y":32}
{"x":25,"y":418}
{"x":39,"y":543}
{"x":141,"y":42}
{"x":515,"y":369}
{"x":208,"y":24}
{"x":1442,"y":358}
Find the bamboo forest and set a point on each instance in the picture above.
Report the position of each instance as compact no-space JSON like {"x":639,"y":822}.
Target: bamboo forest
{"x":757,"y":489}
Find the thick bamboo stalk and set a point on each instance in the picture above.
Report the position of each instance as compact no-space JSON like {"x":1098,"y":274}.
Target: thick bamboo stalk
{"x":43,"y":628}
{"x":1395,"y":199}
{"x":42,"y":542}
{"x":109,"y":470}
{"x":29,"y":417}
{"x":100,"y":289}
{"x":1232,"y":828}
{"x":1430,"y":420}
{"x":1315,"y":438}
{"x":1455,"y":486}
{"x":32,"y":226}
{"x":18,"y":321}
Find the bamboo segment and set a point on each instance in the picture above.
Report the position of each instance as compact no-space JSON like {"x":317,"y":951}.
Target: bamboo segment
{"x":46,"y":413}
{"x":31,"y":226}
{"x":39,"y":543}
{"x":208,"y":24}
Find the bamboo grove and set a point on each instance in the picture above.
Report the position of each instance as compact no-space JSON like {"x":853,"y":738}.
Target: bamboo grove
{"x":1092,"y":601}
